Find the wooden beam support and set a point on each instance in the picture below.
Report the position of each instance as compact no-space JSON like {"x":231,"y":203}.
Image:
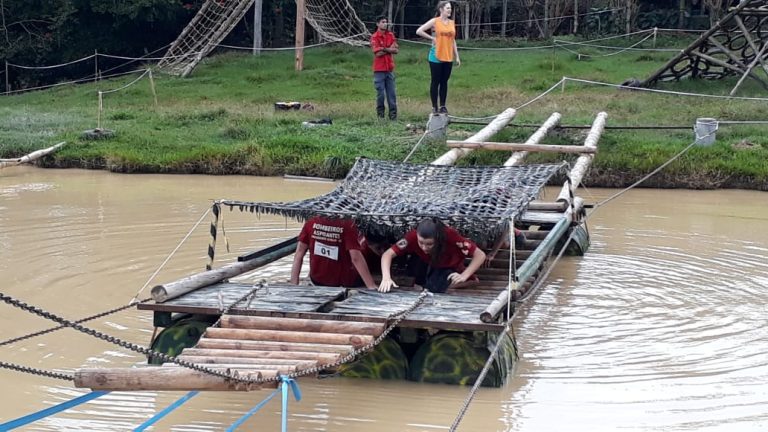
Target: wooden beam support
{"x":302,"y":325}
{"x":502,"y":120}
{"x":160,"y":378}
{"x":535,"y":138}
{"x":230,"y":344}
{"x":289,"y":336}
{"x":283,"y":355}
{"x":521,"y":147}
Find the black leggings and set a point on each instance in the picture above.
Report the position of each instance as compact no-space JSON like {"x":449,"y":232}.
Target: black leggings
{"x":440,"y":74}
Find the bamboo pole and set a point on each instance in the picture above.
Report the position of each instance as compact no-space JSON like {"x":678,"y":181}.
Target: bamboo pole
{"x":234,"y":344}
{"x":749,"y":40}
{"x":584,"y":161}
{"x":37,"y":154}
{"x":530,"y":266}
{"x":160,"y":378}
{"x":304,"y":325}
{"x":251,"y":362}
{"x":450,"y":157}
{"x":287,"y":355}
{"x":749,"y":69}
{"x":544,"y":148}
{"x":289,"y":336}
{"x":535,"y":138}
{"x":162,"y":293}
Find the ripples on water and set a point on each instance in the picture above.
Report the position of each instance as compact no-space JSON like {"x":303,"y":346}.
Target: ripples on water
{"x":661,"y":326}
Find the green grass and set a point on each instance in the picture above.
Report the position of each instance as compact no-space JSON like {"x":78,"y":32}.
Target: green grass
{"x":221,"y":120}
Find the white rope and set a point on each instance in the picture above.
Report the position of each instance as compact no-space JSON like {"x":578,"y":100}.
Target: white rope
{"x":681,"y":30}
{"x":665,"y":91}
{"x":291,"y":48}
{"x":89,"y":78}
{"x":467,"y":48}
{"x":473,"y":118}
{"x":418,"y":143}
{"x":541,"y":95}
{"x":54,"y":66}
{"x":168,"y":258}
{"x":515,"y":21}
{"x":619,"y":50}
{"x":127,"y":85}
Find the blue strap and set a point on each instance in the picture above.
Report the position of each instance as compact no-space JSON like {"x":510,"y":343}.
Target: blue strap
{"x":166,"y":411}
{"x":29,"y":418}
{"x":286,"y":385}
{"x":253,"y":410}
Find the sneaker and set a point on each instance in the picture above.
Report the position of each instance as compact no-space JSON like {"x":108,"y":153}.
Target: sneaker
{"x":443,"y":110}
{"x":434,"y":110}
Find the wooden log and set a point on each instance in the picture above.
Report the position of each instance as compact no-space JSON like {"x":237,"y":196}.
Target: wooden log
{"x":211,"y":343}
{"x":289,"y":336}
{"x":547,"y":206}
{"x":287,"y":355}
{"x":257,"y":362}
{"x":450,"y":157}
{"x":544,"y":148}
{"x":37,"y":154}
{"x":535,"y":138}
{"x":162,"y":293}
{"x":302,"y":325}
{"x":159,"y":378}
{"x":584,"y":161}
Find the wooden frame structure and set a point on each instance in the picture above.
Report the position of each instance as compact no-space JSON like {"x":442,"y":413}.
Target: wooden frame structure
{"x":736,"y":45}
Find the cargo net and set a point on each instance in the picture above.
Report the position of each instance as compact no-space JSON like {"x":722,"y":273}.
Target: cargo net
{"x":336,"y":21}
{"x":212,"y":23}
{"x":391,"y":197}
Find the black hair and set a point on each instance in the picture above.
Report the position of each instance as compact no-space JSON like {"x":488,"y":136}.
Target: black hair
{"x":381,"y":17}
{"x":433,"y":228}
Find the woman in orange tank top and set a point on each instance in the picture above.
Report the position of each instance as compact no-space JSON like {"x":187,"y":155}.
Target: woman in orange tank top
{"x":442,"y":55}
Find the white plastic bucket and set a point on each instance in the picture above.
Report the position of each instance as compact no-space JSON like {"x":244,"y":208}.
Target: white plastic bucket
{"x":705,"y":130}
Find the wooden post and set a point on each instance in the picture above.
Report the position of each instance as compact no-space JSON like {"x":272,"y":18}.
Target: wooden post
{"x":172,"y":290}
{"x":301,"y":10}
{"x":7,"y":86}
{"x":628,"y":17}
{"x":584,"y":161}
{"x":257,"y":10}
{"x":681,"y":14}
{"x":575,"y":16}
{"x":390,"y":6}
{"x":466,"y":20}
{"x":504,"y":18}
{"x":450,"y":157}
{"x":152,"y":86}
{"x":537,"y":136}
{"x":101,"y":107}
{"x":95,"y":65}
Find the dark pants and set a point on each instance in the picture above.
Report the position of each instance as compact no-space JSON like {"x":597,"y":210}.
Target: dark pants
{"x":384,"y":82}
{"x":433,"y":279}
{"x":441,"y":72}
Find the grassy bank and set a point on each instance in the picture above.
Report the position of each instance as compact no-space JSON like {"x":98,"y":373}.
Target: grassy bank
{"x":221,"y":120}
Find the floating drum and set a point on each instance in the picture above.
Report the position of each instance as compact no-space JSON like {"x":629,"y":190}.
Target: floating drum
{"x":705,"y":130}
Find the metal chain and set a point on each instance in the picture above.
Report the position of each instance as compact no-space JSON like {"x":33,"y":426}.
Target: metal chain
{"x":90,"y":318}
{"x":183,"y":363}
{"x":34,"y":371}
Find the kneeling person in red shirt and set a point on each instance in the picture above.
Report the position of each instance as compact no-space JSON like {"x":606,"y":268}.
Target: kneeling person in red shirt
{"x":335,"y":256}
{"x":443,"y":249}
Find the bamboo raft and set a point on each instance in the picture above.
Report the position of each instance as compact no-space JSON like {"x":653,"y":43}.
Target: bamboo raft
{"x":285,"y":328}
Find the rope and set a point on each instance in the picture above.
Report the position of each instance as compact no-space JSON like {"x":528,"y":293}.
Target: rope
{"x":22,"y":421}
{"x":53,"y":66}
{"x":89,"y":78}
{"x":664,"y":91}
{"x":155,"y":418}
{"x":103,"y":92}
{"x":252,"y":411}
{"x":173,"y":252}
{"x":418,"y":143}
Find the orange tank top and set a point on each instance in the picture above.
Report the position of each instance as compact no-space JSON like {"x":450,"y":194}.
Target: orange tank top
{"x":445,"y":35}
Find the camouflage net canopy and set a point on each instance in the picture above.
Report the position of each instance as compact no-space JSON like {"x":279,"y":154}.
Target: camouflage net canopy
{"x":391,"y":197}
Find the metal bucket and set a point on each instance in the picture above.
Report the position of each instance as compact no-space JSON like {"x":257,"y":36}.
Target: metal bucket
{"x":705,"y":130}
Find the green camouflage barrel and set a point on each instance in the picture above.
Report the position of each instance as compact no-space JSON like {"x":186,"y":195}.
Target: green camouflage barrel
{"x":386,"y":361}
{"x":458,"y":358}
{"x":183,"y":334}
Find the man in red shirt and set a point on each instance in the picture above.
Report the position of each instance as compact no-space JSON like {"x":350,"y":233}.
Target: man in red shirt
{"x":384,"y":48}
{"x":335,"y":256}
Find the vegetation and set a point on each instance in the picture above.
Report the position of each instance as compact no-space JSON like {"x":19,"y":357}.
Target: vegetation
{"x":222,"y":119}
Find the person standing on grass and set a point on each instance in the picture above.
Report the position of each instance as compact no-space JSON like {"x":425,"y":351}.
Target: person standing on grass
{"x":442,"y":54}
{"x":384,"y":46}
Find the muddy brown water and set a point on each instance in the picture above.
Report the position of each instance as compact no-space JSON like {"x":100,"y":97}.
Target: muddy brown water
{"x":661,"y":326}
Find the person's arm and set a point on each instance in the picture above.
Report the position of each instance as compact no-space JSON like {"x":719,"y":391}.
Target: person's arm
{"x":422,"y":31}
{"x":386,"y":276}
{"x":358,"y":260}
{"x":494,"y":250}
{"x":298,"y":260}
{"x":376,"y":47}
{"x":477,"y":260}
{"x":456,"y":53}
{"x":394,"y":48}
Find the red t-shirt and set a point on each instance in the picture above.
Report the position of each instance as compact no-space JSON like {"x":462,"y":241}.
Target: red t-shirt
{"x":456,"y":249}
{"x":379,"y":41}
{"x":330,"y":241}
